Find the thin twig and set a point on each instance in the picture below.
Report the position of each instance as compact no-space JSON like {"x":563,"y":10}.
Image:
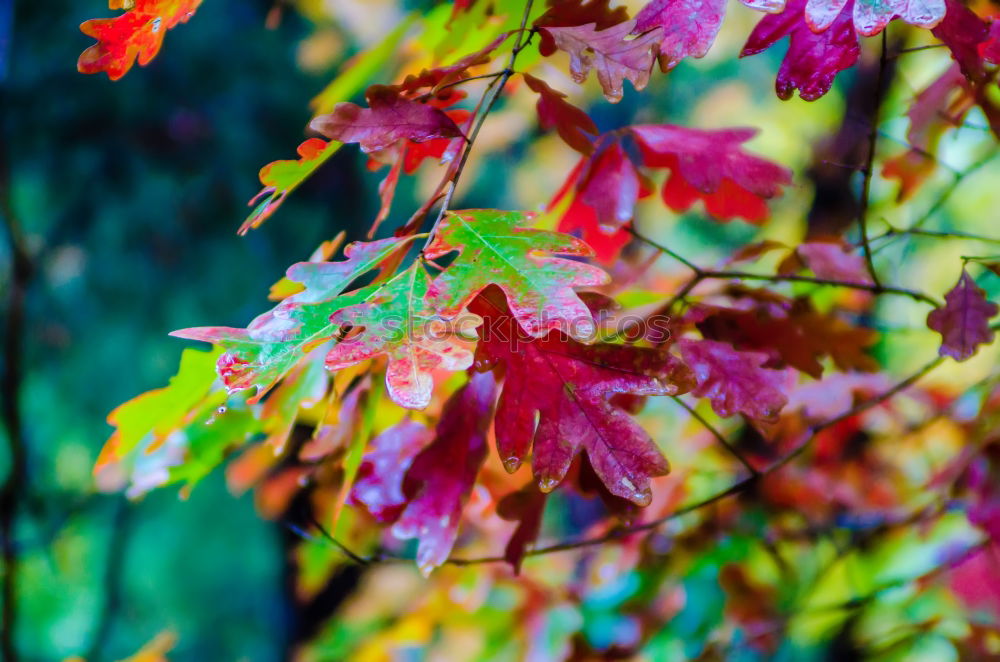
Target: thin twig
{"x":718,"y":436}
{"x":870,"y":164}
{"x":701,"y":274}
{"x":736,"y":488}
{"x":493,"y":91}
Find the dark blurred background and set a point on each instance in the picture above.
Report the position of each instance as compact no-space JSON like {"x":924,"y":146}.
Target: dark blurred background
{"x":127,"y":196}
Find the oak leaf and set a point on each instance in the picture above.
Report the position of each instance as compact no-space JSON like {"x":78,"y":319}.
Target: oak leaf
{"x":495,"y":248}
{"x":389,"y":118}
{"x":441,"y":476}
{"x":734,"y":381}
{"x":711,"y":166}
{"x":963,"y":322}
{"x":135,"y":35}
{"x":556,"y":402}
{"x":274,"y":342}
{"x":397,"y":321}
{"x":615,"y":57}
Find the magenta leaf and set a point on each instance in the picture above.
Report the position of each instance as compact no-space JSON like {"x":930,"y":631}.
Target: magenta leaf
{"x":813,"y":59}
{"x":732,"y":380}
{"x":379,"y":483}
{"x":611,"y":187}
{"x":688,"y":27}
{"x":388,"y":119}
{"x":608,"y":52}
{"x":439,"y":481}
{"x":834,"y":261}
{"x":963,"y":322}
{"x":710,"y":165}
{"x":556,"y":402}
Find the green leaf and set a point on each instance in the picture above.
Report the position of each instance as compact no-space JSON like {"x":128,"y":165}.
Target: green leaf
{"x":160,"y":411}
{"x":275,"y":342}
{"x":399,"y":323}
{"x":495,"y":248}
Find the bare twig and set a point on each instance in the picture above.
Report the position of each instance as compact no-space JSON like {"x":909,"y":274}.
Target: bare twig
{"x":738,"y":487}
{"x":492,"y":93}
{"x":718,"y":436}
{"x":870,"y":163}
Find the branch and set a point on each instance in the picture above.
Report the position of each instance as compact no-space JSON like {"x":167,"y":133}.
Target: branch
{"x":738,"y":487}
{"x":718,"y":436}
{"x":870,"y":162}
{"x":11,"y":494}
{"x":493,"y":92}
{"x":701,"y":274}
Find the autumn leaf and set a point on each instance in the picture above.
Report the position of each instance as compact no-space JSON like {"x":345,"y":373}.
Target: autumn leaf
{"x":554,"y":112}
{"x":160,"y":411}
{"x":796,"y":335}
{"x":397,"y":321}
{"x":710,"y":165}
{"x":388,"y":119}
{"x":525,"y":507}
{"x":273,"y":343}
{"x":556,"y":402}
{"x":688,"y":27}
{"x":871,"y":16}
{"x":609,"y":52}
{"x":282,"y":177}
{"x":495,"y":248}
{"x":136,"y":34}
{"x":732,"y":380}
{"x":571,"y":13}
{"x":965,"y":35}
{"x":940,"y":106}
{"x":442,"y":474}
{"x":813,"y":59}
{"x":963,"y":322}
{"x":379,"y":483}
{"x":829,"y":260}
{"x":610,"y":186}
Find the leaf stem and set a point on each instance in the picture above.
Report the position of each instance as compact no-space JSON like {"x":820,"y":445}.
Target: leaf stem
{"x":492,"y":93}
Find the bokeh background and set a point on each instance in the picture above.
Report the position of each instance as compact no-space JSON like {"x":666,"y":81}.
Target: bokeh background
{"x":128,"y":195}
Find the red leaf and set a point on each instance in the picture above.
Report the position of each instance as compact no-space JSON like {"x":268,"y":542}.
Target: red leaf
{"x":379,"y":483}
{"x":834,"y":261}
{"x":610,"y":186}
{"x":710,"y":165}
{"x":964,"y":321}
{"x":524,"y":507}
{"x":734,"y":381}
{"x":555,"y":402}
{"x":570,"y":122}
{"x":939,"y":107}
{"x":963,"y":32}
{"x":388,"y":119}
{"x":813,"y":60}
{"x":581,"y":219}
{"x":138,"y":33}
{"x":439,"y":481}
{"x":415,"y":153}
{"x":689,"y":27}
{"x":609,"y":53}
{"x":990,"y":49}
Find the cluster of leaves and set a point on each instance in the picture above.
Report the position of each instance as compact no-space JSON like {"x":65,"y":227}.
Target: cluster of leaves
{"x":378,"y":383}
